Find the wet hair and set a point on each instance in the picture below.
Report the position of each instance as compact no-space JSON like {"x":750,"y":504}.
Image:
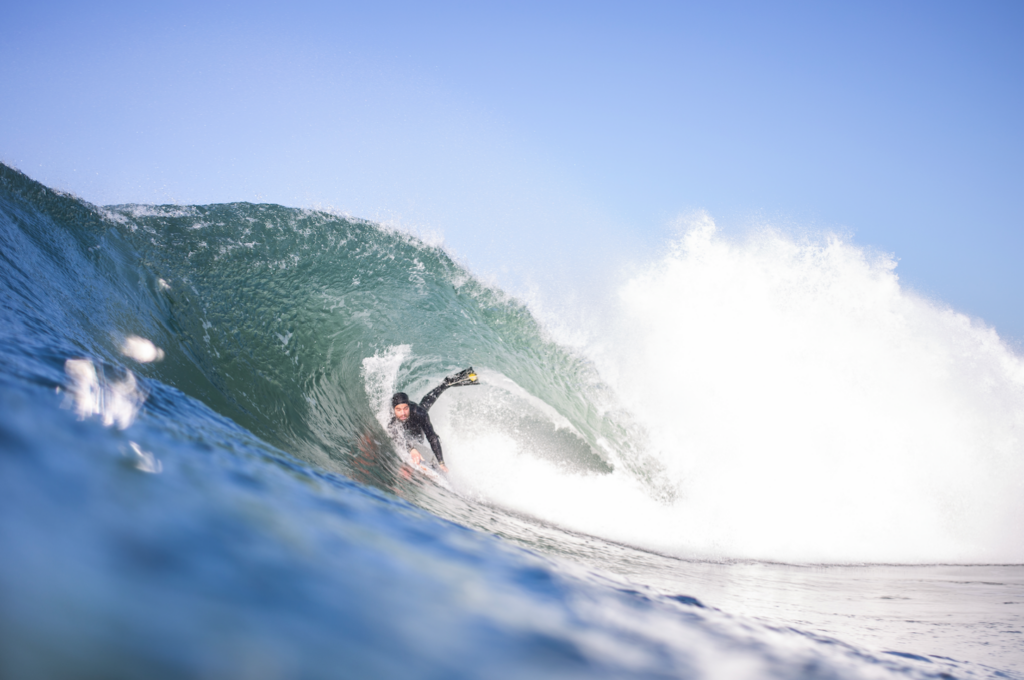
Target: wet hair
{"x":399,"y":398}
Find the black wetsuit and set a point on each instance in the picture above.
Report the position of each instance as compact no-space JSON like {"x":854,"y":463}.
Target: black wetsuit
{"x":418,"y":424}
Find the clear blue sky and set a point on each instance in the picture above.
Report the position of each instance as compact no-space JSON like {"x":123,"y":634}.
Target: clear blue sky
{"x":543,"y":134}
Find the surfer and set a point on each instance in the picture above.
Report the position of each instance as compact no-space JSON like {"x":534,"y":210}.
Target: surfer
{"x":411,"y":422}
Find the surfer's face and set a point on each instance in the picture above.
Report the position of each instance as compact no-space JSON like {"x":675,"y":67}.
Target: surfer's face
{"x":402,"y":412}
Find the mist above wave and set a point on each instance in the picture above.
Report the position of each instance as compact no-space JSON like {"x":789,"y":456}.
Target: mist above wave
{"x":806,"y":407}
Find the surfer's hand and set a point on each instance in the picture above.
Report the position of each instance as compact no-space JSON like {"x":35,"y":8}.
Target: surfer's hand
{"x":444,"y":468}
{"x":416,"y":457}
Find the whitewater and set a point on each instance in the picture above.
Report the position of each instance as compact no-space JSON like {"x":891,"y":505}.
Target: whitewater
{"x":756,"y":456}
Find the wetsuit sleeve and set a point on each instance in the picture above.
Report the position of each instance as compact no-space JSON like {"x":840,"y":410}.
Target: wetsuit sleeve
{"x":435,"y":441}
{"x":466,"y":377}
{"x":430,"y":397}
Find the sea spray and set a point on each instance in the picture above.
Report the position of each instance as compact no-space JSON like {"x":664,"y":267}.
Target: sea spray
{"x":809,"y":408}
{"x":792,"y":402}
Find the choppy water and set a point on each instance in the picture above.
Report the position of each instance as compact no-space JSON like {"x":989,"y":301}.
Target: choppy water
{"x":763,"y":459}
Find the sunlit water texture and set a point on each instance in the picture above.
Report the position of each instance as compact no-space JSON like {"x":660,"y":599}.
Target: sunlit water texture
{"x":764,"y":460}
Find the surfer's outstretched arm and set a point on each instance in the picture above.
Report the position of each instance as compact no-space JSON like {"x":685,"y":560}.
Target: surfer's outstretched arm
{"x":466,"y":377}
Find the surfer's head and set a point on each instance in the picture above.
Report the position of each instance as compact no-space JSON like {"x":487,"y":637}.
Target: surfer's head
{"x":400,"y":402}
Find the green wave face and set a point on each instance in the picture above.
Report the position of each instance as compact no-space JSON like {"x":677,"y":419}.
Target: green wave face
{"x":300,"y":324}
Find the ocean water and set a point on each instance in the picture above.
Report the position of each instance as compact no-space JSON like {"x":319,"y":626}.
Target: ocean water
{"x":760,"y":458}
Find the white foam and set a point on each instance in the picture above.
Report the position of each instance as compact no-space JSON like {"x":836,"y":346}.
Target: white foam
{"x":141,"y":349}
{"x":90,"y":393}
{"x":380,"y":375}
{"x":804,"y":407}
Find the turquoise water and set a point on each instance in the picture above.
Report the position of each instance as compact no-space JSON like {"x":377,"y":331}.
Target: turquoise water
{"x":196,"y":481}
